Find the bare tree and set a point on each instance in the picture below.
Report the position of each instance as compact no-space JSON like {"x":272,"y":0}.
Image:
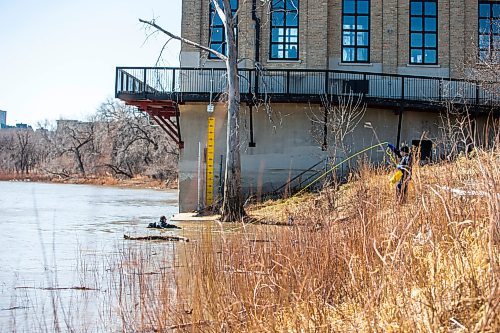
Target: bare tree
{"x":25,"y":154}
{"x":116,"y":140}
{"x":232,"y":206}
{"x":479,"y":93}
{"x":333,"y":127}
{"x":21,"y":151}
{"x":131,"y":146}
{"x":6,"y":148}
{"x":76,"y":139}
{"x":457,"y":130}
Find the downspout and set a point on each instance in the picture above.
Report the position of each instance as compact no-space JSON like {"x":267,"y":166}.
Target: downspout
{"x":400,"y":121}
{"x":257,"y":42}
{"x":397,"y":36}
{"x":449,"y":38}
{"x":383,"y":35}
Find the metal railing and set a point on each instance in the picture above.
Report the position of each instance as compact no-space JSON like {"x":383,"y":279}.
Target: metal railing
{"x":294,"y":184}
{"x":300,"y":82}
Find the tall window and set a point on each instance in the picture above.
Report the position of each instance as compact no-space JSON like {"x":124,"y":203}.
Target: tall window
{"x":217,"y":31}
{"x":423,"y":32}
{"x":489,"y":31}
{"x":284,"y":29}
{"x":356,"y":31}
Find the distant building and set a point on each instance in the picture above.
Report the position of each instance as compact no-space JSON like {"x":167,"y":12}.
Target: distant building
{"x":65,"y":124}
{"x":3,"y":122}
{"x":62,"y":123}
{"x":3,"y":119}
{"x":22,"y":125}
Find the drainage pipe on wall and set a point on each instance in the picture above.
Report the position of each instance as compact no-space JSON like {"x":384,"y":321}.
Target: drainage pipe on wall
{"x":257,"y":31}
{"x":200,"y":205}
{"x":257,"y":42}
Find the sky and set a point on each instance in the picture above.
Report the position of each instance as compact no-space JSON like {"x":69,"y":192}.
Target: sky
{"x":58,"y":57}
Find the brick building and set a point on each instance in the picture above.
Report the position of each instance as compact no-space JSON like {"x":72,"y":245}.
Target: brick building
{"x":407,"y":61}
{"x":392,"y":36}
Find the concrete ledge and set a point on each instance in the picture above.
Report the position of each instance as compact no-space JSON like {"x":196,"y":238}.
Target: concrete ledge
{"x":193,"y":217}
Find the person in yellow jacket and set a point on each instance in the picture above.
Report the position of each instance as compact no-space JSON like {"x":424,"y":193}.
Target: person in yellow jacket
{"x":404,"y":165}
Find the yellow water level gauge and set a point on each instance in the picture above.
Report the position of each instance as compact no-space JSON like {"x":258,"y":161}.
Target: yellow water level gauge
{"x":210,"y":161}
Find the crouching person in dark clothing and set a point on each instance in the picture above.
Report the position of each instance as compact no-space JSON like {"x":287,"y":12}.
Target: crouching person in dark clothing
{"x":159,"y":225}
{"x":404,"y":165}
{"x":163,"y":222}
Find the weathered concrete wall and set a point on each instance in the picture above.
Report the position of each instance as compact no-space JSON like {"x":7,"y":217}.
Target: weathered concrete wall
{"x":288,"y":144}
{"x":291,"y":142}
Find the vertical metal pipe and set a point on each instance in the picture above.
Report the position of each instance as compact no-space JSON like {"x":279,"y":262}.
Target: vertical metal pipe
{"x":116,"y":82}
{"x":288,"y":82}
{"x":325,"y":130}
{"x":256,"y":19}
{"x":251,"y":143}
{"x":327,"y":90}
{"x":173,"y":79}
{"x":400,"y":120}
{"x":200,"y":205}
{"x":220,"y":175}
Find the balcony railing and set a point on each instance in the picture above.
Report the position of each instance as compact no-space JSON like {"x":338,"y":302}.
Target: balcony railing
{"x":196,"y":84}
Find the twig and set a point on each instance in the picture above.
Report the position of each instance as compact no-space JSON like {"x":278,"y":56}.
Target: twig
{"x":156,"y":237}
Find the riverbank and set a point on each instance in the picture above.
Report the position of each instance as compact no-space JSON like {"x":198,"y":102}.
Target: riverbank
{"x":349,"y":259}
{"x":136,"y":182}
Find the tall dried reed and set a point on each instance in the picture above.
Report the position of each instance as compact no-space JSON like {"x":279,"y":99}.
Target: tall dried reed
{"x":353,"y":260}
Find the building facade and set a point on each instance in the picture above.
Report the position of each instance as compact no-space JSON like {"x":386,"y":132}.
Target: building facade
{"x":422,"y":37}
{"x":398,"y":64}
{"x":3,"y":119}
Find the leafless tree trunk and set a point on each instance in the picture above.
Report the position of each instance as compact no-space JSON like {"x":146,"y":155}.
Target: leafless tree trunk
{"x":76,"y":139}
{"x":24,"y":151}
{"x":232,"y":207}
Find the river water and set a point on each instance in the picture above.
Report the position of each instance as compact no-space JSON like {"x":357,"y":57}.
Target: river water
{"x":48,"y":229}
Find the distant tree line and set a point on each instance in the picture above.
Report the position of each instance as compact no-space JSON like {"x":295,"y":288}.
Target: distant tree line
{"x":117,"y":140}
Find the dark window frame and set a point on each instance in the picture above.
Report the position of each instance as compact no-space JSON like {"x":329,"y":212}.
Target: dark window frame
{"x":285,"y":27}
{"x":356,"y":31}
{"x":491,"y":50}
{"x":223,"y":44}
{"x":424,"y":32}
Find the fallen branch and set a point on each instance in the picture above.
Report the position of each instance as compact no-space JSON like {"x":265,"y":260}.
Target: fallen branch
{"x":240,"y":271}
{"x":157,"y":237}
{"x":15,"y":308}
{"x":260,"y":241}
{"x":200,"y":323}
{"x":58,"y":288}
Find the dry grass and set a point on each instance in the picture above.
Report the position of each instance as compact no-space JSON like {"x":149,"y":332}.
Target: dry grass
{"x":352,"y":261}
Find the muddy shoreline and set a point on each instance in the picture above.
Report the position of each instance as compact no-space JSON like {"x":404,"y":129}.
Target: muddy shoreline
{"x":136,"y":182}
